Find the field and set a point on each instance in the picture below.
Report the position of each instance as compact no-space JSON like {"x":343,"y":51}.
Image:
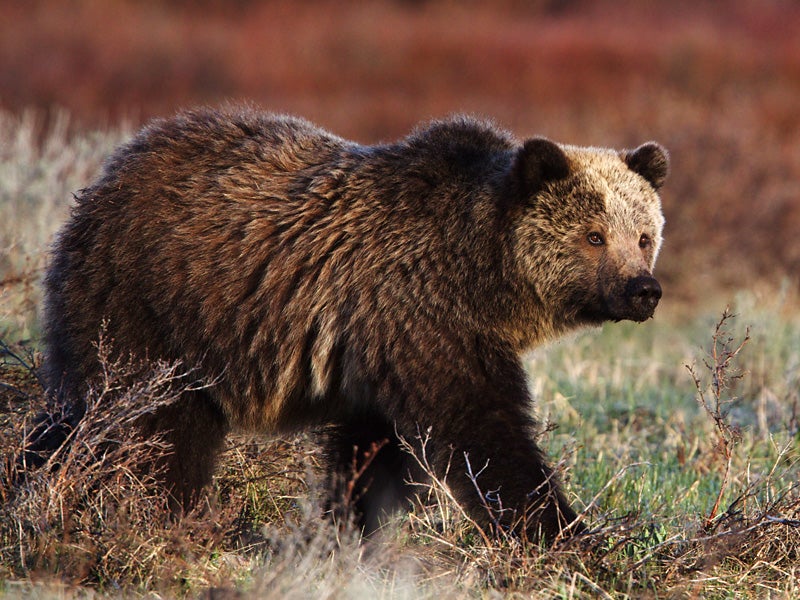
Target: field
{"x":679,"y":438}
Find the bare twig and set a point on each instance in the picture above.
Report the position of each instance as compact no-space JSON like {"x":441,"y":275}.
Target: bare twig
{"x":721,"y":355}
{"x":356,"y":471}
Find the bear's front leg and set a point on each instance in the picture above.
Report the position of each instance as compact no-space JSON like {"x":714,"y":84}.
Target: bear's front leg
{"x":481,"y":436}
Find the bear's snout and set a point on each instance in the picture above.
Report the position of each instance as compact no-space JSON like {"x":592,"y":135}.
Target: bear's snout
{"x":642,"y":294}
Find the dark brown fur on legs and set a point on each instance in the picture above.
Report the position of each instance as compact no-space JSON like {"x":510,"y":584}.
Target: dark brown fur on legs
{"x":194,"y":428}
{"x":382,"y":288}
{"x":371,"y":477}
{"x":487,"y":422}
{"x":514,"y":485}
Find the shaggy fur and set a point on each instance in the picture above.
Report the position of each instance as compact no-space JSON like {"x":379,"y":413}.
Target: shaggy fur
{"x":383,"y":290}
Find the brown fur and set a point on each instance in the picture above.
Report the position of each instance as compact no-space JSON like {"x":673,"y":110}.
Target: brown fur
{"x":384,"y":290}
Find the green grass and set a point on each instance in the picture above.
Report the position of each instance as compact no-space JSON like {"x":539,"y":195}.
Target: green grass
{"x":624,"y":396}
{"x":637,"y":451}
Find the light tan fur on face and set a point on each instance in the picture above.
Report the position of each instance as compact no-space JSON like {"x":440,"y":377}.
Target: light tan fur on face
{"x":632,"y":206}
{"x":632,"y":209}
{"x":601,"y":194}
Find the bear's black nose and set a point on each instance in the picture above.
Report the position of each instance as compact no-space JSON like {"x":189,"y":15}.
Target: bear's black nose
{"x":643,"y":293}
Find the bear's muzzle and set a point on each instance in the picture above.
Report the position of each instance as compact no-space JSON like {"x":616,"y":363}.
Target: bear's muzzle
{"x":641,"y":294}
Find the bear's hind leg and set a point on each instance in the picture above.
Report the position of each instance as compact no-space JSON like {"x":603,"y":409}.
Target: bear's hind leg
{"x":369,"y":471}
{"x":195,"y":428}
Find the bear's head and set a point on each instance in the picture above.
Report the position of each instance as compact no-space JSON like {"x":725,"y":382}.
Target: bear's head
{"x":589,"y":228}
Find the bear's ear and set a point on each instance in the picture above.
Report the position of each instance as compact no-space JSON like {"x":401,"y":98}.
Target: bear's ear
{"x":539,"y":161}
{"x":649,"y":160}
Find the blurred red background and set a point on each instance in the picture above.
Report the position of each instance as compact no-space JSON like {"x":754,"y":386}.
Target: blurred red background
{"x":718,"y":83}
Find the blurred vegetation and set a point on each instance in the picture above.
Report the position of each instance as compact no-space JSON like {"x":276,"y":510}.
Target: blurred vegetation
{"x":716,"y":82}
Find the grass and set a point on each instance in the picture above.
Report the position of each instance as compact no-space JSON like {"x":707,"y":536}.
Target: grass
{"x":41,"y":165}
{"x":684,"y":499}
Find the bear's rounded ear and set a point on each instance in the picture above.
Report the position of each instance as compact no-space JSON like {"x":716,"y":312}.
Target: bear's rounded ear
{"x":651,"y":161}
{"x":539,"y":161}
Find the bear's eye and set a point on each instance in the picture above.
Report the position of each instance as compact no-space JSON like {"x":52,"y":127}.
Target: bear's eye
{"x":595,"y":239}
{"x":644,"y":241}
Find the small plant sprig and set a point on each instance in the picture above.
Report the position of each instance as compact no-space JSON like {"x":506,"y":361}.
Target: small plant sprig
{"x":357,"y":471}
{"x":716,"y":396}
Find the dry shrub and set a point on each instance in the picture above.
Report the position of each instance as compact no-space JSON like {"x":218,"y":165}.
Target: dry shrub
{"x":758,"y":534}
{"x":92,"y":513}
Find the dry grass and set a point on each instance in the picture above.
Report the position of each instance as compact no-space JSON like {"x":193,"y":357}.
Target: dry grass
{"x":42,"y":163}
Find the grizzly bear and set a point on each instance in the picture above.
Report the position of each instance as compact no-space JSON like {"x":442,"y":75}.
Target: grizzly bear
{"x":381,"y":292}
